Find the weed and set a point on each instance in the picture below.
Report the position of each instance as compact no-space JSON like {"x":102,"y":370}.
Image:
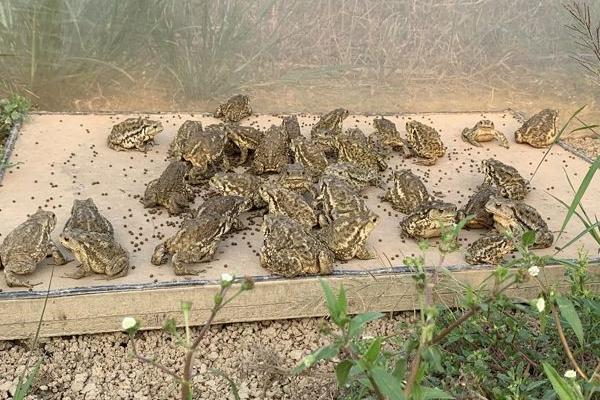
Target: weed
{"x":184,"y":379}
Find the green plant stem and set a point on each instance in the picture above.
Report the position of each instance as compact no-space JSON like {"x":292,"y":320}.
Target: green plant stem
{"x":561,"y":333}
{"x":414,"y":370}
{"x":563,"y":341}
{"x":416,"y":361}
{"x":446,"y":331}
{"x":186,"y":389}
{"x":152,"y":362}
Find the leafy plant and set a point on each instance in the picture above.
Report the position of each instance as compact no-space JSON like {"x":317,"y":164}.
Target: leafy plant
{"x":132,"y":326}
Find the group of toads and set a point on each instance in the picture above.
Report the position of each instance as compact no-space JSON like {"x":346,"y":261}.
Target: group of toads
{"x":309,"y":191}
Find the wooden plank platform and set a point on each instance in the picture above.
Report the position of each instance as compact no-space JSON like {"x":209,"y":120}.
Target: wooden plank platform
{"x":64,"y":157}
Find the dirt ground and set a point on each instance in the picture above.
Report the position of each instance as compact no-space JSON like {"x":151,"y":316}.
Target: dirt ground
{"x":257,"y":356}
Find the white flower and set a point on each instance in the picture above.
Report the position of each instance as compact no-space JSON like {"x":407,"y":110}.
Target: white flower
{"x":570,"y":374}
{"x":128,"y":323}
{"x":540,"y":304}
{"x":226,"y":278}
{"x":534,"y":271}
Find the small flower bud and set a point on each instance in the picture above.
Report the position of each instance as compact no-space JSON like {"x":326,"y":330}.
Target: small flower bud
{"x":130,"y":325}
{"x":540,"y":304}
{"x":218,"y":299}
{"x":226,"y":279}
{"x":247,"y":283}
{"x":534,"y":271}
{"x":571,"y":374}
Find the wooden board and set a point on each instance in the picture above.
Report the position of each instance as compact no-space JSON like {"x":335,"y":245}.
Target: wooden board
{"x":64,"y":157}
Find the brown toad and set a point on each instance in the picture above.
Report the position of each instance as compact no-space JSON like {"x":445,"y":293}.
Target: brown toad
{"x":291,"y":204}
{"x":85,"y":216}
{"x":407,"y":192}
{"x":235,"y":109}
{"x":337,"y":198}
{"x":295,"y":178}
{"x":309,"y":154}
{"x":386,"y":133}
{"x":205,"y":150}
{"x":239,"y":184}
{"x":245,"y":138}
{"x":475,"y":207}
{"x":196,"y":241}
{"x":347,"y":235}
{"x":228,"y":206}
{"x":428,"y":220}
{"x":185,"y":131}
{"x":272,"y":154}
{"x":505,"y":178}
{"x":539,"y":130}
{"x":291,"y":126}
{"x":289,"y":249}
{"x":489,"y":249}
{"x":171,"y":190}
{"x":28,"y":245}
{"x":97,"y":253}
{"x":484,"y":131}
{"x":328,"y":127}
{"x":358,"y":176}
{"x":351,"y":147}
{"x":424,"y":142}
{"x":516,"y":217}
{"x":134,"y":133}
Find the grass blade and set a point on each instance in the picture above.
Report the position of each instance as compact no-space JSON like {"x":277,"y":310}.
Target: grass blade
{"x":579,"y":194}
{"x":567,"y":310}
{"x":24,"y":387}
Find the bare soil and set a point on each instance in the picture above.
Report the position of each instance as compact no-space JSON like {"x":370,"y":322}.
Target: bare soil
{"x":257,"y":356}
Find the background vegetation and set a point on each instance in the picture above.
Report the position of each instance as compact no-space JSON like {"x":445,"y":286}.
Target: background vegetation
{"x":373,"y":55}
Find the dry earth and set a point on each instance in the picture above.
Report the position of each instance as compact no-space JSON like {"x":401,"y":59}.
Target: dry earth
{"x":257,"y":356}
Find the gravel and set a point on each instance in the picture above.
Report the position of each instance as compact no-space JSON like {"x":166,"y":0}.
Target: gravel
{"x":257,"y":356}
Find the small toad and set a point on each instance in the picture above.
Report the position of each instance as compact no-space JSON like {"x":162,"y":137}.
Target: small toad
{"x":290,"y":250}
{"x":484,"y":131}
{"x":489,"y":249}
{"x":310,"y":155}
{"x":291,"y":204}
{"x":407,"y":192}
{"x":235,"y":109}
{"x":185,"y":131}
{"x":245,"y":138}
{"x":347,"y":235}
{"x":97,"y":253}
{"x":424,"y":142}
{"x":134,"y":133}
{"x":272,"y":154}
{"x":540,"y":130}
{"x":516,"y":218}
{"x":428,"y":220}
{"x":171,"y":190}
{"x":85,"y":216}
{"x":337,"y":198}
{"x":239,"y":184}
{"x":505,"y":178}
{"x":28,"y":245}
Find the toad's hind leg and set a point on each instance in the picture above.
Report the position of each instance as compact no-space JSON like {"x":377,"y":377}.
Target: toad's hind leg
{"x":425,"y":161}
{"x":501,"y":138}
{"x":467,"y":137}
{"x":363,"y":253}
{"x":13,"y":280}
{"x":182,"y":267}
